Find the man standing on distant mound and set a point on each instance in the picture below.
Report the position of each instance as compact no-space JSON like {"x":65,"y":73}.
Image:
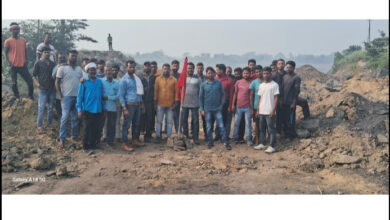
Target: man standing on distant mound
{"x":109,"y":40}
{"x":15,"y":50}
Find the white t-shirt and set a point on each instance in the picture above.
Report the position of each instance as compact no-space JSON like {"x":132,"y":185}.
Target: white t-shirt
{"x":52,"y":51}
{"x":267,"y":92}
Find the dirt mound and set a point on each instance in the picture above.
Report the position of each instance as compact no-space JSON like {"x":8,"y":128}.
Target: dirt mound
{"x":308,"y":72}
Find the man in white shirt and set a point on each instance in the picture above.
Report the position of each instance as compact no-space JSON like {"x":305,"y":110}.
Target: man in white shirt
{"x":267,"y":103}
{"x":46,"y":43}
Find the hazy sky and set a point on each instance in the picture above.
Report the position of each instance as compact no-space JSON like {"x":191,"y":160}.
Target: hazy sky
{"x":174,"y":37}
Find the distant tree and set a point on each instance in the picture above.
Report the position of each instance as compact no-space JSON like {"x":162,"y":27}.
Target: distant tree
{"x":351,"y":49}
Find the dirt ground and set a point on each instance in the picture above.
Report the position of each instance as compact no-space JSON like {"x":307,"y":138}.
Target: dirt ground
{"x":345,"y":155}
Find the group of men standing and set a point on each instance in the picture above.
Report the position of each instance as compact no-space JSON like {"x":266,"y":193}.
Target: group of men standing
{"x":96,"y":93}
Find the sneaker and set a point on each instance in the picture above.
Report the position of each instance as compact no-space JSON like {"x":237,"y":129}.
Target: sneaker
{"x":260,"y":147}
{"x":270,"y":150}
{"x":210,"y":145}
{"x":250,"y":143}
{"x":227,"y":146}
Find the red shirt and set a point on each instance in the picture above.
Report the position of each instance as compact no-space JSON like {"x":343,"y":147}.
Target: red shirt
{"x":243,"y":93}
{"x":253,"y":76}
{"x":228,"y":86}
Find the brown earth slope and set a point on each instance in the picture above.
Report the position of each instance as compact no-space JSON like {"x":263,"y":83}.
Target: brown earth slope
{"x":343,"y":148}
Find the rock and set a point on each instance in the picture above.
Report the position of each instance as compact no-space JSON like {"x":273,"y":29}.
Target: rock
{"x":346,"y":159}
{"x":383,"y":73}
{"x":310,"y":124}
{"x":51,"y":173}
{"x":61,"y":171}
{"x":41,"y":163}
{"x":311,"y":165}
{"x":330,"y":113}
{"x":305,"y":142}
{"x":167,"y":162}
{"x":382,"y":139}
{"x":303,"y":133}
{"x":333,"y":85}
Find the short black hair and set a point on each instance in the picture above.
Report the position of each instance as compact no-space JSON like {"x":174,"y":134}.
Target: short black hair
{"x":228,"y":67}
{"x":13,"y":23}
{"x":247,"y":69}
{"x":258,"y":67}
{"x":167,"y":65}
{"x":101,"y":62}
{"x":274,"y":62}
{"x":146,"y":63}
{"x":153,"y":63}
{"x":115,"y":65}
{"x":175,"y":62}
{"x":191,"y":64}
{"x":210,"y":68}
{"x":45,"y":49}
{"x":85,"y":59}
{"x":239,"y":69}
{"x":93,"y":60}
{"x":199,"y":64}
{"x":46,"y":33}
{"x":252,"y":61}
{"x":267,"y":69}
{"x":73,"y":52}
{"x":131,"y":62}
{"x":221,"y":67}
{"x":280,"y":59}
{"x":290,"y":62}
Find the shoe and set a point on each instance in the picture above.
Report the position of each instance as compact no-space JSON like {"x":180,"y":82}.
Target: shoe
{"x":210,"y":145}
{"x":88,"y":151}
{"x":228,"y":147}
{"x":147,"y":139}
{"x":111,"y":144}
{"x":260,"y":147}
{"x":41,"y":131}
{"x":126,"y":148}
{"x":60,"y":144}
{"x":158,"y":140}
{"x":270,"y":150}
{"x":217,"y":138}
{"x":137,"y":143}
{"x":196,"y":141}
{"x":250,"y":143}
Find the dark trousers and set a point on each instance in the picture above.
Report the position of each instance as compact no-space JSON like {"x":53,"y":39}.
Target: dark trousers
{"x":111,"y":122}
{"x":194,"y":121}
{"x":57,"y":106}
{"x":278,"y":119}
{"x":305,"y":107}
{"x":147,"y":119}
{"x":204,"y":125}
{"x":257,"y":129}
{"x":23,"y":71}
{"x":241,"y":129}
{"x":288,"y":120}
{"x":101,"y":126}
{"x":91,"y":129}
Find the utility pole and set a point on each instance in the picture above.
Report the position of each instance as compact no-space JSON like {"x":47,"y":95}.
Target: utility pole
{"x":369,"y":30}
{"x":38,"y":31}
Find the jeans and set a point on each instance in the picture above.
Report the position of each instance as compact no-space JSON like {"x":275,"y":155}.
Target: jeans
{"x":91,"y":129}
{"x":267,"y":122}
{"x":23,"y":71}
{"x":218,"y":118}
{"x":194,"y":120}
{"x":227,"y":120}
{"x":134,"y":120}
{"x":68,"y":108}
{"x":239,"y":112}
{"x":45,"y":96}
{"x":161,"y":111}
